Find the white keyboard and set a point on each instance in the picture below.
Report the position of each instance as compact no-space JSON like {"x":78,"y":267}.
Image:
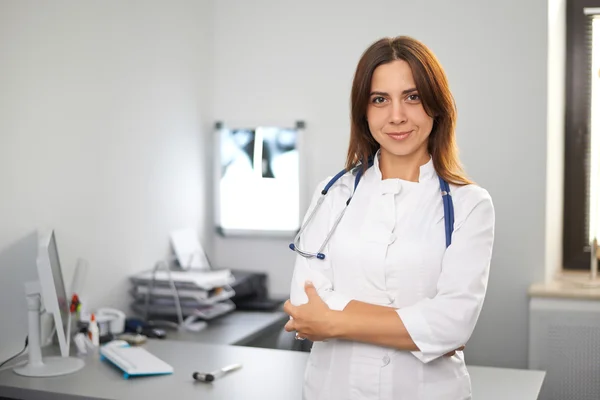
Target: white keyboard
{"x":134,"y":361}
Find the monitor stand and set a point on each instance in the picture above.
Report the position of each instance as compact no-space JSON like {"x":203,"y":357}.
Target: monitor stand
{"x":46,"y":366}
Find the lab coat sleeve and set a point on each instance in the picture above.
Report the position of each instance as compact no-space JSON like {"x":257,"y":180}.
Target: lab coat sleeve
{"x":319,"y":272}
{"x":445,"y":322}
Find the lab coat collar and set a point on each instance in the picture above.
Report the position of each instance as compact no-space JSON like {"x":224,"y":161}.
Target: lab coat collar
{"x":426,"y":172}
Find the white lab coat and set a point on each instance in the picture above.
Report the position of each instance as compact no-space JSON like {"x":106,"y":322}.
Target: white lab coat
{"x":389,"y":249}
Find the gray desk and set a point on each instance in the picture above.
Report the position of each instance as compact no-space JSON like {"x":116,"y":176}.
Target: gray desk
{"x":267,"y":374}
{"x":490,"y":383}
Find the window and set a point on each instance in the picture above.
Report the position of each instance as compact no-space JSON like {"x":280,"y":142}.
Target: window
{"x":582,"y":133}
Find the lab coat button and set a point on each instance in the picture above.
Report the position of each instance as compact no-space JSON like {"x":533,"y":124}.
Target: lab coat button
{"x":386,"y":360}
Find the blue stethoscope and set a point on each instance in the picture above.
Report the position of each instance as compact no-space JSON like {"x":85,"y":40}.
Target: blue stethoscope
{"x":446,"y":199}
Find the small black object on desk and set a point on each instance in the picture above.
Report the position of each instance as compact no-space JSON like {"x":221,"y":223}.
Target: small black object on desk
{"x":136,"y":325}
{"x":211,"y":376}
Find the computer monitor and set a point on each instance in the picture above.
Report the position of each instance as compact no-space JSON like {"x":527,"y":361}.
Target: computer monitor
{"x":49,"y":290}
{"x":54,"y":294}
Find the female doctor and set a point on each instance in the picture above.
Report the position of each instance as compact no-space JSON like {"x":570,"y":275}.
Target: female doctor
{"x":393,"y":263}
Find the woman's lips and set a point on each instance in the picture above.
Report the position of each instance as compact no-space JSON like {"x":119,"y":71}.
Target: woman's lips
{"x":399,"y":135}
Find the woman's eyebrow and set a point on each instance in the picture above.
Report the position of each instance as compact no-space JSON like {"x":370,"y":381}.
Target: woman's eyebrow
{"x":407,"y":91}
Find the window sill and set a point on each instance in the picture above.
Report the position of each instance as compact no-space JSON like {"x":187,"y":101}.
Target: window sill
{"x":568,"y":285}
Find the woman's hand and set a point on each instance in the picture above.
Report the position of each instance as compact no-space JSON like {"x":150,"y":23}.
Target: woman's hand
{"x":313,"y":320}
{"x":317,"y":322}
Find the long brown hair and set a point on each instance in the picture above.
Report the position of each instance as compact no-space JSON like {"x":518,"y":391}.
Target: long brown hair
{"x":434,"y":91}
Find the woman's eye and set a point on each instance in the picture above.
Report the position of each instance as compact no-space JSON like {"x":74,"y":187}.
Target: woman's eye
{"x":414,"y":97}
{"x":378,"y":100}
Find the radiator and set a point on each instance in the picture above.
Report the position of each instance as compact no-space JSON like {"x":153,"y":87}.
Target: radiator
{"x":564,"y":341}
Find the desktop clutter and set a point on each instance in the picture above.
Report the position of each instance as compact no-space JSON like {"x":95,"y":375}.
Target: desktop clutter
{"x":201,"y":300}
{"x":193,"y":298}
{"x":196,"y":296}
{"x":182,"y":296}
{"x":185,"y":296}
{"x":190,"y":293}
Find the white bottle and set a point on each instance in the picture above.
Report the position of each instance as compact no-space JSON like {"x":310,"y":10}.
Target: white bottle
{"x":93,"y":331}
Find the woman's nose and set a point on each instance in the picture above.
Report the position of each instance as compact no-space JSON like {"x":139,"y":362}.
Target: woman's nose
{"x":398,"y":113}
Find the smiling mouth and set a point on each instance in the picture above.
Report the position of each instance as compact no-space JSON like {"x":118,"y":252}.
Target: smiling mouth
{"x":399,"y":135}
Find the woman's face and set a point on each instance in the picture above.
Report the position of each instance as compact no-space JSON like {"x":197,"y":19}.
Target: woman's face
{"x":395,"y":114}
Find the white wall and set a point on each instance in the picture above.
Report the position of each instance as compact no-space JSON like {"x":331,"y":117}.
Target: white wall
{"x":295,"y":60}
{"x":103,"y":110}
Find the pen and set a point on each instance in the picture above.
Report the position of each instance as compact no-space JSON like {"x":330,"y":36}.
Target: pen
{"x":215,"y":374}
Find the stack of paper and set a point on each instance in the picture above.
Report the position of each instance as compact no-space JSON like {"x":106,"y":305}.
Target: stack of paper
{"x":191,"y":279}
{"x":195,"y":289}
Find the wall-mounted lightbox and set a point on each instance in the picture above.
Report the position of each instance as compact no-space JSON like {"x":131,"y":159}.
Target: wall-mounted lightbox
{"x":257,"y":180}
